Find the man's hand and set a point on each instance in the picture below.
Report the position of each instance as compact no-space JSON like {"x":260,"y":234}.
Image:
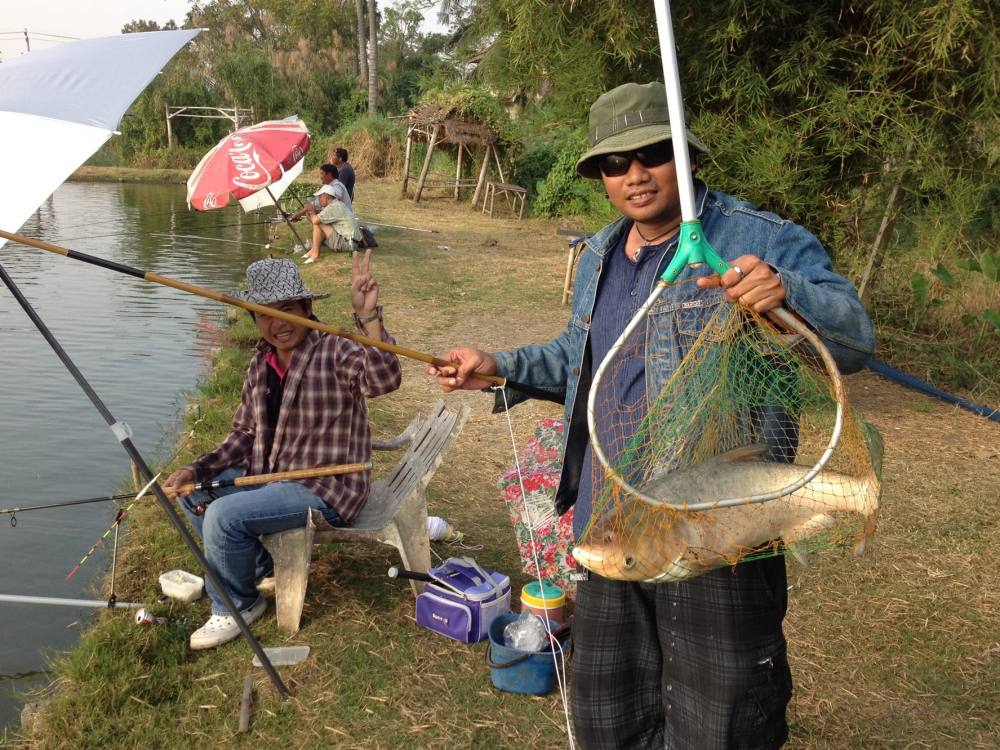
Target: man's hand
{"x":364,"y":288}
{"x":462,"y":377}
{"x":749,"y":281}
{"x":178,"y":479}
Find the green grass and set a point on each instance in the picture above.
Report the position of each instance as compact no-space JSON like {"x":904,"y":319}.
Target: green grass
{"x":895,"y":651}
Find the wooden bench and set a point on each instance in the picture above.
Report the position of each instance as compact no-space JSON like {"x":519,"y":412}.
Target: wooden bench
{"x":516,"y":192}
{"x":395,"y":514}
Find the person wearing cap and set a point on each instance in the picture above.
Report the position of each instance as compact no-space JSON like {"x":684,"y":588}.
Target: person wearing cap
{"x":701,"y":663}
{"x":328,"y":175}
{"x":334,"y":226}
{"x":303,"y":406}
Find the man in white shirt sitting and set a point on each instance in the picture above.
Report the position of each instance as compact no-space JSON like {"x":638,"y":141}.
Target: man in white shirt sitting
{"x":334,"y":225}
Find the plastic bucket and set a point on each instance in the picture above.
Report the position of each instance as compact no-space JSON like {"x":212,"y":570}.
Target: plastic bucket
{"x":546,"y":600}
{"x":516,"y":671}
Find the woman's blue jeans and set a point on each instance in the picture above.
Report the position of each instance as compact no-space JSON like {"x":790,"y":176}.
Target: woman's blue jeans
{"x":232,"y":526}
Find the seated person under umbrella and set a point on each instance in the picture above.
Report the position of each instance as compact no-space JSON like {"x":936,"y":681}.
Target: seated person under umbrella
{"x":329,"y":175}
{"x":334,"y":225}
{"x":303,"y":406}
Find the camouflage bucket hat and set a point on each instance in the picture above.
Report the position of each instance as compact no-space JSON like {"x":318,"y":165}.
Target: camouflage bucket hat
{"x":275,"y":280}
{"x":626,"y":118}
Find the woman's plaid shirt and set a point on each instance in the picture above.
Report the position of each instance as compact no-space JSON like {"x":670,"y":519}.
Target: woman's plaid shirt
{"x":323,"y":418}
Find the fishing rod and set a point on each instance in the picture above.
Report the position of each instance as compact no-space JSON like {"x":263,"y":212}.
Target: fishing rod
{"x":123,"y":434}
{"x":276,"y":220}
{"x":95,"y":603}
{"x":187,"y":489}
{"x":398,"y":226}
{"x":130,"y":232}
{"x":197,"y":237}
{"x":138,"y":273}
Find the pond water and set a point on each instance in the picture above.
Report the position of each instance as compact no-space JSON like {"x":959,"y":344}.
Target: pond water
{"x":141,"y":346}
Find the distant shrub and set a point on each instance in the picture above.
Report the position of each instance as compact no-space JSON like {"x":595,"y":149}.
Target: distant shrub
{"x":532,"y":167}
{"x":374,"y":144}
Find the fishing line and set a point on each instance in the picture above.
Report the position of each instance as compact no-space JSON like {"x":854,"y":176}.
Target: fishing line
{"x":538,"y":572}
{"x":119,"y":517}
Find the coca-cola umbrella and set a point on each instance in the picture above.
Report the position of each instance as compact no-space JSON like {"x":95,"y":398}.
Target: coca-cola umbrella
{"x":247,"y":161}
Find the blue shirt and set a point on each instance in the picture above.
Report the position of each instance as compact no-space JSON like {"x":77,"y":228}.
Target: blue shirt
{"x":624,"y":286}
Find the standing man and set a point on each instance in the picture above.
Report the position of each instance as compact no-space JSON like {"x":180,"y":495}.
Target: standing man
{"x":303,"y":406}
{"x":345,"y":170}
{"x":700,"y":664}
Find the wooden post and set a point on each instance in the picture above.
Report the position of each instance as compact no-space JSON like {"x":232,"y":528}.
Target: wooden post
{"x":406,"y":159}
{"x":170,"y":135}
{"x":458,"y":171}
{"x":427,"y":164}
{"x":496,"y":158}
{"x":482,"y":175}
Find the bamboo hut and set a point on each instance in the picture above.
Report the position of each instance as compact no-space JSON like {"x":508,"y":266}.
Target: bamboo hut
{"x":444,"y":127}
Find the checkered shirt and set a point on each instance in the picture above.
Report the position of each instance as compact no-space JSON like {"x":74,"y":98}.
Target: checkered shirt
{"x":323,"y":418}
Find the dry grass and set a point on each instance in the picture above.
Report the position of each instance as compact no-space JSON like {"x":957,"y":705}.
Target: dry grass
{"x":898,"y":650}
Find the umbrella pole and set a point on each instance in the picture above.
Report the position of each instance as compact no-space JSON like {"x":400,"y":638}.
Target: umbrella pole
{"x":284,"y":216}
{"x":122,"y":433}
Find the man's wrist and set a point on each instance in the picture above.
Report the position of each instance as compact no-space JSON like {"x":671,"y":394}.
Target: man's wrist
{"x":374,"y":315}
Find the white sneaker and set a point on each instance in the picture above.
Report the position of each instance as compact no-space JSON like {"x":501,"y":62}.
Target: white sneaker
{"x":223,"y":628}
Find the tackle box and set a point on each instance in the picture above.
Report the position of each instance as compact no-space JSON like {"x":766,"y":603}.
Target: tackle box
{"x":462,"y":599}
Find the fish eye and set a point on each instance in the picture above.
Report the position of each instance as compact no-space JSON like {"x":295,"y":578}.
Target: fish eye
{"x":629,"y":561}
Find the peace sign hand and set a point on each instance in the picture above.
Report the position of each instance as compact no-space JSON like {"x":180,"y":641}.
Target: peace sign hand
{"x":364,"y":288}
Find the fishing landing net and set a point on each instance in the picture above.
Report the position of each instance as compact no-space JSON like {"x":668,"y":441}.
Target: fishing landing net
{"x":742,"y":454}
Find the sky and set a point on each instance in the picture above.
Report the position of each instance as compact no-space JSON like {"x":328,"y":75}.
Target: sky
{"x":49,"y":20}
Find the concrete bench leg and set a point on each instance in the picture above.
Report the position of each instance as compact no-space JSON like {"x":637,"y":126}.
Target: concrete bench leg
{"x":409,"y":527}
{"x":291,"y":552}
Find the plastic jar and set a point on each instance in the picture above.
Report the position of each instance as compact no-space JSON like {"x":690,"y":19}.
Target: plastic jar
{"x":545,"y":600}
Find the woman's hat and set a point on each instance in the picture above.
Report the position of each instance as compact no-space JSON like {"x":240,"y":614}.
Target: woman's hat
{"x":626,"y":118}
{"x":275,"y":280}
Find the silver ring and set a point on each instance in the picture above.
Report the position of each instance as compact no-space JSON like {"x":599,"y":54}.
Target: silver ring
{"x":739,"y":271}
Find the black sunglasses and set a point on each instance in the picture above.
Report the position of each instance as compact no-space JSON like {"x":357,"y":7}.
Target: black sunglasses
{"x":615,"y":165}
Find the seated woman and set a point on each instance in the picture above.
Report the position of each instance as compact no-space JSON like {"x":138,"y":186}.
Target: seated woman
{"x":303,"y":405}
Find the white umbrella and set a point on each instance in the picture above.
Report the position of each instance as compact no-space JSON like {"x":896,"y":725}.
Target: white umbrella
{"x":59,"y":105}
{"x":261,"y":199}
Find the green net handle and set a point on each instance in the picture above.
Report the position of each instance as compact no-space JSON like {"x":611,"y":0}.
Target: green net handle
{"x":693,"y":248}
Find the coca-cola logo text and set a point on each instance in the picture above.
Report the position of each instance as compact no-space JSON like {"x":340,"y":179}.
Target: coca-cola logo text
{"x":250,"y":173}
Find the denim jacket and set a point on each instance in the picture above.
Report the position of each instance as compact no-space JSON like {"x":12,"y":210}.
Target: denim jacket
{"x":825,"y":300}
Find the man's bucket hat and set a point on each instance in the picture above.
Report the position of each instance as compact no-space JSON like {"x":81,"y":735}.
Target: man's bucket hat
{"x":325,"y":190}
{"x":275,"y":280}
{"x":626,"y":118}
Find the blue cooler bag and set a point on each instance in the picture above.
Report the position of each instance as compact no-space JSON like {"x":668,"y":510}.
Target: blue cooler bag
{"x":463,"y":599}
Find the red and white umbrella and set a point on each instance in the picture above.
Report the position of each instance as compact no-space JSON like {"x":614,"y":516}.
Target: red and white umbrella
{"x":247,"y":161}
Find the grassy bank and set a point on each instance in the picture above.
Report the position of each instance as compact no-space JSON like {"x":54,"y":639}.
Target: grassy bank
{"x":897,"y":650}
{"x":131,"y":174}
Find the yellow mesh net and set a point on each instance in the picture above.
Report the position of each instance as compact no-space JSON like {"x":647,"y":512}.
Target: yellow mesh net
{"x":749,"y":413}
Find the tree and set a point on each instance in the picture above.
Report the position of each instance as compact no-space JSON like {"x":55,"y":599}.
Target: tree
{"x":359,"y":7}
{"x":140,"y":25}
{"x":372,"y":57}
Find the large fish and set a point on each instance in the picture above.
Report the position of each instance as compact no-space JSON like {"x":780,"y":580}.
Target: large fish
{"x":637,"y":541}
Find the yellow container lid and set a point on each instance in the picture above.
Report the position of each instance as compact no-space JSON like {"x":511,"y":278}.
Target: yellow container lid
{"x":546,"y":596}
